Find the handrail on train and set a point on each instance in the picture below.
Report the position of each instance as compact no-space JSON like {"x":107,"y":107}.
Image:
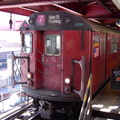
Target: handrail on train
{"x":13,"y":59}
{"x":82,"y":66}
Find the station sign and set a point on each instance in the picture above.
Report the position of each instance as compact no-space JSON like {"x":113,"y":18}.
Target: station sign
{"x":115,"y":79}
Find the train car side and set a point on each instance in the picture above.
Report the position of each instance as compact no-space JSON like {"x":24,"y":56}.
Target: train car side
{"x":105,"y":55}
{"x":113,"y":51}
{"x":77,"y":45}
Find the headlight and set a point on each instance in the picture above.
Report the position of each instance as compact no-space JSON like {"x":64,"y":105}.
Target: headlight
{"x":29,"y":75}
{"x":67,"y":80}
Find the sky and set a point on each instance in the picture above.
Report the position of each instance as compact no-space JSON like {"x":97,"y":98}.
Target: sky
{"x":4,"y":22}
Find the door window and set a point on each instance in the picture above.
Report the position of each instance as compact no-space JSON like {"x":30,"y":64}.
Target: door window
{"x":52,"y":46}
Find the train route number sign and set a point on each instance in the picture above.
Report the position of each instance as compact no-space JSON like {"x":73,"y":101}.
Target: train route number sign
{"x":41,"y":20}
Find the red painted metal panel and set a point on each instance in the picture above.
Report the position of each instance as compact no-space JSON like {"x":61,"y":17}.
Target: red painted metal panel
{"x":44,"y":68}
{"x":96,"y":61}
{"x":39,"y":48}
{"x":52,"y":68}
{"x":96,"y":11}
{"x":18,"y":11}
{"x":102,"y":57}
{"x":24,"y":63}
{"x":74,"y":48}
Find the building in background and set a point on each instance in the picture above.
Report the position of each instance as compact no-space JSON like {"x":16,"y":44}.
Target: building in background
{"x":16,"y":21}
{"x":10,"y":37}
{"x":9,"y":41}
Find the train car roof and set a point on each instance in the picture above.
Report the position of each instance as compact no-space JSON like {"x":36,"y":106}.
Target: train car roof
{"x":60,"y":20}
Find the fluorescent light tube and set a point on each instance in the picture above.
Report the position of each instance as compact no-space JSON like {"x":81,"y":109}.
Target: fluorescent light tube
{"x":117,"y":3}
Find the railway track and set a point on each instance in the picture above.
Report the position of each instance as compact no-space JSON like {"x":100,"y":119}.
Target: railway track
{"x":22,"y":112}
{"x":26,"y":112}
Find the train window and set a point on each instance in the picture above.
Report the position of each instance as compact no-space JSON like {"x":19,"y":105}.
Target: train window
{"x":114,"y":45}
{"x":101,"y":45}
{"x":27,"y":42}
{"x":112,"y":48}
{"x":52,"y":44}
{"x":104,"y":43}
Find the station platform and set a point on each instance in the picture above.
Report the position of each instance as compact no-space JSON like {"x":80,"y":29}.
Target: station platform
{"x":8,"y":89}
{"x":106,"y":104}
{"x":6,"y":97}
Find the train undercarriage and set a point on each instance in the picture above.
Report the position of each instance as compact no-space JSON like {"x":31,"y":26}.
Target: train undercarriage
{"x":52,"y":104}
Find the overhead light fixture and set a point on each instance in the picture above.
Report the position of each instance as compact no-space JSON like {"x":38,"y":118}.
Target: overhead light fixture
{"x":117,"y":3}
{"x":118,"y":22}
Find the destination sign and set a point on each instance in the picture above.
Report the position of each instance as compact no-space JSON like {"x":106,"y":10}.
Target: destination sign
{"x":55,"y":19}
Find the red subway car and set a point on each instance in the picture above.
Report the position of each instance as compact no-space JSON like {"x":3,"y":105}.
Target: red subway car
{"x":59,"y":51}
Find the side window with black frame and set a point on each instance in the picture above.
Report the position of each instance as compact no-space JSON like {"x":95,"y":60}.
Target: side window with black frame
{"x":27,"y":42}
{"x":52,"y":46}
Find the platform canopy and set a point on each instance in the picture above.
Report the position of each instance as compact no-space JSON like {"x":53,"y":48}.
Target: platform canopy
{"x":106,"y":12}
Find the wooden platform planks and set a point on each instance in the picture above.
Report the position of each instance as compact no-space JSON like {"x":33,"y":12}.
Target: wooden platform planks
{"x":107,"y":101}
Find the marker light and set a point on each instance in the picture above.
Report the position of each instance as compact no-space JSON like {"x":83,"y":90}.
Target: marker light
{"x":67,"y":89}
{"x":29,"y":75}
{"x":67,"y":80}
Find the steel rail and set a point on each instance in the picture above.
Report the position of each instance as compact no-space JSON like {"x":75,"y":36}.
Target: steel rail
{"x":34,"y":117}
{"x":14,"y":113}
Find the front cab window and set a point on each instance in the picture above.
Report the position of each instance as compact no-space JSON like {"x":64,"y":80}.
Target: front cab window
{"x":52,"y":46}
{"x":27,"y":42}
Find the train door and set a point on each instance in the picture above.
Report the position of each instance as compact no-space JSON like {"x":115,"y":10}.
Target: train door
{"x":99,"y":59}
{"x":51,"y":58}
{"x":96,"y":61}
{"x":102,"y":57}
